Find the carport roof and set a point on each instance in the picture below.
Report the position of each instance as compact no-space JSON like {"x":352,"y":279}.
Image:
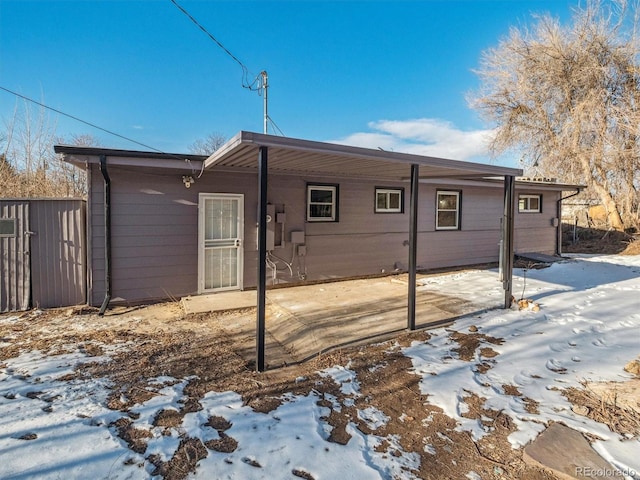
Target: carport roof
{"x":294,"y":156}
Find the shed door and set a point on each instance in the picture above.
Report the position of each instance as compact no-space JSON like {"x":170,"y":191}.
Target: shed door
{"x":221,"y":227}
{"x":15,"y":272}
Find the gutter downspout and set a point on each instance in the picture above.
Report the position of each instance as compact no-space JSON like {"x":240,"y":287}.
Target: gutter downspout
{"x":107,"y":233}
{"x":559,"y":217}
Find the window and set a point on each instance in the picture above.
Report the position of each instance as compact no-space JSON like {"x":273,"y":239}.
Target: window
{"x":7,"y":227}
{"x":530,"y":203}
{"x":448,"y":210}
{"x":389,"y":200}
{"x":322,"y":203}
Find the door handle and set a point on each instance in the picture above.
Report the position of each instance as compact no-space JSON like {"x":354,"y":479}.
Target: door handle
{"x":237,"y":242}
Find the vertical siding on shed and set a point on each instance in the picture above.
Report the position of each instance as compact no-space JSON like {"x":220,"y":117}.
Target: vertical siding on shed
{"x":58,"y":268}
{"x":14,"y":258}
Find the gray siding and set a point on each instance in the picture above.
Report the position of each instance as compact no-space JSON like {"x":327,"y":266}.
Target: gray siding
{"x":44,"y":264}
{"x":14,"y":258}
{"x":155,"y":230}
{"x":154,"y":223}
{"x":58,"y":253}
{"x":534,"y":232}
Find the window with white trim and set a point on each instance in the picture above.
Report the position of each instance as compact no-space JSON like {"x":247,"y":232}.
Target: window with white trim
{"x":322,"y":203}
{"x":530,"y":203}
{"x":8,"y":227}
{"x":389,"y":200}
{"x":448,"y":210}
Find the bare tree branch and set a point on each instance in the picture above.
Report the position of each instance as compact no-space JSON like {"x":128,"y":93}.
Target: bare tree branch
{"x":567,"y":98}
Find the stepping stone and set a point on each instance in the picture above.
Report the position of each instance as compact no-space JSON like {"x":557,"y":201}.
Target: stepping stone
{"x":568,"y":455}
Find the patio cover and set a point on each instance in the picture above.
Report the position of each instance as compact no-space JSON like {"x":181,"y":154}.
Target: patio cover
{"x":249,"y":151}
{"x":295,"y":156}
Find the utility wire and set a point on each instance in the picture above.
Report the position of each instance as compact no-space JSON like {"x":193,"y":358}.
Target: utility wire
{"x":60,"y":112}
{"x":78,"y":119}
{"x":275,"y":126}
{"x":245,"y":70}
{"x":258,"y":80}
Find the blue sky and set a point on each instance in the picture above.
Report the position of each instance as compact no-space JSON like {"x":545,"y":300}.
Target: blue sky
{"x":389,"y":74}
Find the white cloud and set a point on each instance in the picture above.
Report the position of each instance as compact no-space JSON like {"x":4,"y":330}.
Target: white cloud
{"x":423,"y":136}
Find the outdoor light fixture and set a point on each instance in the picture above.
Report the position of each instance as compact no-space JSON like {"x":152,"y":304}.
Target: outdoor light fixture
{"x":187,"y":180}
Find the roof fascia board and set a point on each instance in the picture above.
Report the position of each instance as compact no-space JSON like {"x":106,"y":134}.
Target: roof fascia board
{"x":558,"y":187}
{"x":113,"y":152}
{"x":563,"y":187}
{"x":160,"y":163}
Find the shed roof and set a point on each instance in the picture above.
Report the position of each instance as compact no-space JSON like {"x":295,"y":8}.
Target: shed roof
{"x":291,"y":155}
{"x":79,"y":155}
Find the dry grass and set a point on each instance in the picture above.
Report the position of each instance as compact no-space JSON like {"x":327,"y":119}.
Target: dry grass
{"x":633,"y":248}
{"x":593,"y":240}
{"x":619,"y":419}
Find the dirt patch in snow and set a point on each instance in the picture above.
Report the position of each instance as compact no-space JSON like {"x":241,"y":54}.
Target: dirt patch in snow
{"x":184,"y":461}
{"x":469,"y":343}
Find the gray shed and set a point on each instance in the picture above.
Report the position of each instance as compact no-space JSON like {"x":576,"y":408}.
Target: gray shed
{"x":42,"y":253}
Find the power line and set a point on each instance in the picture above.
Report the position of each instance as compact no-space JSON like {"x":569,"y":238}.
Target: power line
{"x":245,"y":70}
{"x":275,"y":126}
{"x":78,"y":119}
{"x":261,"y":87}
{"x":73,"y":117}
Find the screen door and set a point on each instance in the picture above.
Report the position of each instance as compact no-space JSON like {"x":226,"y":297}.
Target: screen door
{"x":221,"y":226}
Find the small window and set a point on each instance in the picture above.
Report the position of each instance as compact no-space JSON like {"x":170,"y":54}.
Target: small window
{"x":448,"y":210}
{"x":7,"y":227}
{"x":530,"y":203}
{"x":389,"y":200}
{"x":322,"y":203}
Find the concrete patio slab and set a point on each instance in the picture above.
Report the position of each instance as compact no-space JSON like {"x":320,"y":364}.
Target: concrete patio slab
{"x":539,"y":257}
{"x":305,"y":321}
{"x":568,"y":455}
{"x":219,"y":302}
{"x":313,"y":319}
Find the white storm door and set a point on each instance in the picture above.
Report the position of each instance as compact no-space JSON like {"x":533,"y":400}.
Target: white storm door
{"x":221,"y":227}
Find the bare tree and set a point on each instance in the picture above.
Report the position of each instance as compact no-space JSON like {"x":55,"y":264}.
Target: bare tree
{"x":28,"y":164}
{"x":72,"y":179}
{"x":567,"y":99}
{"x":207,"y":145}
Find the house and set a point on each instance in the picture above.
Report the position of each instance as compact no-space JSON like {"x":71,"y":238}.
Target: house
{"x":168,"y":225}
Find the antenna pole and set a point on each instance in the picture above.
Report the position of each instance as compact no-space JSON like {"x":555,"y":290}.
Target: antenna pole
{"x":265,"y":87}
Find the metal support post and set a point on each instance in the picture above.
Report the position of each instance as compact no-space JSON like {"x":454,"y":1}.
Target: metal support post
{"x":507,"y":239}
{"x":262,"y":258}
{"x":413,"y":247}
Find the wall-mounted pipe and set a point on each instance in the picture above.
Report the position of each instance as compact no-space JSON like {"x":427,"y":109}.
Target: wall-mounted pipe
{"x":107,"y":233}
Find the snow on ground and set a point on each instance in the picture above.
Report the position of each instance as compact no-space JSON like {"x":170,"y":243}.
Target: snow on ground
{"x":53,"y":426}
{"x":586,"y":330}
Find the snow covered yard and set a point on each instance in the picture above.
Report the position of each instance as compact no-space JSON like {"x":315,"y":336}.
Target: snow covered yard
{"x":128,"y":400}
